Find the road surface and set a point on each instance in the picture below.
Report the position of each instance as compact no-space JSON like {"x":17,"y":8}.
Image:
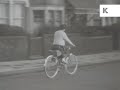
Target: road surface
{"x":96,"y":77}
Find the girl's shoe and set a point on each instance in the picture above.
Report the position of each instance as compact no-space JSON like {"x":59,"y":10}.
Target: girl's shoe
{"x":64,"y":60}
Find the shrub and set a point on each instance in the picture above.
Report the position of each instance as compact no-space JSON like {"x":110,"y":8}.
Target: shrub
{"x":88,"y":30}
{"x":7,"y":30}
{"x":46,"y":30}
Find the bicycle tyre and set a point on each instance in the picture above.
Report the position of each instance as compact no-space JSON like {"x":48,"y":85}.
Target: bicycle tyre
{"x":51,"y":68}
{"x":72,"y":64}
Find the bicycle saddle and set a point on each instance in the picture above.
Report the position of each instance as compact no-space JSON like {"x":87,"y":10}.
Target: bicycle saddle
{"x":55,"y":52}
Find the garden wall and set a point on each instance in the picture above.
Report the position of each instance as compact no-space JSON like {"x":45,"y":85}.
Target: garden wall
{"x":13,"y":48}
{"x":85,"y":45}
{"x":36,"y":47}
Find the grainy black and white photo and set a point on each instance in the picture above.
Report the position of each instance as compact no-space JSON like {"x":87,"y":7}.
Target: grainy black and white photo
{"x":59,"y":45}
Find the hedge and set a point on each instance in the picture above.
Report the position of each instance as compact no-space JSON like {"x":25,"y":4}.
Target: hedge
{"x":7,"y":30}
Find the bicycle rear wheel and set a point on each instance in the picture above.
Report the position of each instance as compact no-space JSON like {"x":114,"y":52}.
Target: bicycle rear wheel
{"x":51,"y":68}
{"x":72,"y":64}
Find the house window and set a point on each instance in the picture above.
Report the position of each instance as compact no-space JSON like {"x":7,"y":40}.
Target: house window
{"x":82,"y":18}
{"x":39,"y":15}
{"x":54,"y":17}
{"x":58,"y":17}
{"x":97,"y":22}
{"x":4,"y":12}
{"x":94,"y":20}
{"x":16,"y":12}
{"x":18,"y":16}
{"x":51,"y":18}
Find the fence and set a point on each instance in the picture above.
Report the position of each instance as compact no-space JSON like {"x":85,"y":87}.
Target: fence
{"x":36,"y":47}
{"x":22,"y":47}
{"x":13,"y":48}
{"x":85,"y":45}
{"x":119,"y":40}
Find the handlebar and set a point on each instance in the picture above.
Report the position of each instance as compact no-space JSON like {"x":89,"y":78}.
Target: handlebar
{"x":69,"y":47}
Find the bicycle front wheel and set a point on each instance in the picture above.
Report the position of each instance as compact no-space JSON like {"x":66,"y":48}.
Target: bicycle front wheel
{"x":51,"y":68}
{"x":72,"y":64}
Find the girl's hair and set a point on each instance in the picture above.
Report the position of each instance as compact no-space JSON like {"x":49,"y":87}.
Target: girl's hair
{"x":62,"y":26}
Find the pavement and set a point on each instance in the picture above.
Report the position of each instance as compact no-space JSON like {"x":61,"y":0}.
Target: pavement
{"x":16,"y":67}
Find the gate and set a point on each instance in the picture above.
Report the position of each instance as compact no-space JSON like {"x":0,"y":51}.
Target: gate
{"x":35,"y":47}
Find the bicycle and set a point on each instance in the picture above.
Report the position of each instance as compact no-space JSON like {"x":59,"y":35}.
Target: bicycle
{"x":53,"y":65}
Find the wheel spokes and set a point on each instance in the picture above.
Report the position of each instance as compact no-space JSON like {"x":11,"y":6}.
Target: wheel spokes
{"x":72,"y":64}
{"x":51,"y":66}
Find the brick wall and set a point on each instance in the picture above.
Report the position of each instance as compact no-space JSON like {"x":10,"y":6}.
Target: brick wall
{"x":85,"y":45}
{"x":36,"y":47}
{"x":119,"y":40}
{"x":13,"y":48}
{"x":20,"y":48}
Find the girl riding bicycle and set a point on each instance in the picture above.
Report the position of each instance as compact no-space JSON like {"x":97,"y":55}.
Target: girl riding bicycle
{"x":55,"y":62}
{"x":60,"y":38}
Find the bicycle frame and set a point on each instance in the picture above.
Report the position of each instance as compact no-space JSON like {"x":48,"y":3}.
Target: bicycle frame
{"x":66,"y":61}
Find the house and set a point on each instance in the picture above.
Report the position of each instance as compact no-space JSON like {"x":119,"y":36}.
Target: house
{"x":33,"y":14}
{"x":89,"y":9}
{"x":12,"y":12}
{"x":86,"y":11}
{"x":45,"y":12}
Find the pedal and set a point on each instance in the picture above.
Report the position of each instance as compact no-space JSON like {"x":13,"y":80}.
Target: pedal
{"x":71,"y":54}
{"x":59,"y":67}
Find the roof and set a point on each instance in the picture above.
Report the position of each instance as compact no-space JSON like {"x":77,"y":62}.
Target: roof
{"x":13,"y":1}
{"x":84,"y":3}
{"x":46,"y":2}
{"x":111,"y":1}
{"x":37,"y":2}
